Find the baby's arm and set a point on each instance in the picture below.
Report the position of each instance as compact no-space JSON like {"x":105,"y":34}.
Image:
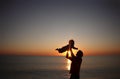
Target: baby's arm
{"x":75,"y":48}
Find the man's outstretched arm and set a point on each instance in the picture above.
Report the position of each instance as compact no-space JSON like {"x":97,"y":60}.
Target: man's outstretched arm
{"x":67,"y":55}
{"x":72,"y":53}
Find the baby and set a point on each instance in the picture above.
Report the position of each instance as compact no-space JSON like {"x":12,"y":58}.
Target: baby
{"x":67,"y":47}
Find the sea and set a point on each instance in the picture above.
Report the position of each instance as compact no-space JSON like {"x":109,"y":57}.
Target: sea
{"x":57,"y":67}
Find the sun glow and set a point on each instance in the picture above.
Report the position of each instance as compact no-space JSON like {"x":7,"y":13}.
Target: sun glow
{"x":69,"y":54}
{"x":68,"y":61}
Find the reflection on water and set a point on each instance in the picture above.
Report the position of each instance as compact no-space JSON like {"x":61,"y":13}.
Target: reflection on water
{"x":68,"y":64}
{"x":68,"y":61}
{"x":34,"y":67}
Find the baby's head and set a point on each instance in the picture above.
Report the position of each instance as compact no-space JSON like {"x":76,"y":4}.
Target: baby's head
{"x":71,"y":42}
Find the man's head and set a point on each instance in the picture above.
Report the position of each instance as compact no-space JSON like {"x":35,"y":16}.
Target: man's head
{"x":79,"y":53}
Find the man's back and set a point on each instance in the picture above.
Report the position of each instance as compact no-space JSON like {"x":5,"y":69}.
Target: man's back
{"x":75,"y":65}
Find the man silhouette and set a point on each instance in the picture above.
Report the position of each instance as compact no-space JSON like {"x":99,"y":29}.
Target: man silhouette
{"x":75,"y":64}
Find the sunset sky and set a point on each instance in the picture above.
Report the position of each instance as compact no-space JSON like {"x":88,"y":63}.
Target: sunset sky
{"x":38,"y":27}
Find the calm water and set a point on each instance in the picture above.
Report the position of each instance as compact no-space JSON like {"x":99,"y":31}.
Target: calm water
{"x":35,"y":67}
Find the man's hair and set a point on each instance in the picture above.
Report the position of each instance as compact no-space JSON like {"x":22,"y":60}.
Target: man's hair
{"x":79,"y":53}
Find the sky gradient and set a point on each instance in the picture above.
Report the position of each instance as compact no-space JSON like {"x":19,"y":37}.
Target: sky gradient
{"x":38,"y":27}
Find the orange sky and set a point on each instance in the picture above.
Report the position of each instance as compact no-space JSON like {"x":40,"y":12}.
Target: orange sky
{"x":50,"y":51}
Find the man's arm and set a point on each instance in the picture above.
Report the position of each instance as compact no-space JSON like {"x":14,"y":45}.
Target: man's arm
{"x":72,"y":53}
{"x":67,"y":55}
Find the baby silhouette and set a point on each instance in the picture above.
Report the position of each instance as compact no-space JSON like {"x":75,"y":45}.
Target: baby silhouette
{"x":67,"y":47}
